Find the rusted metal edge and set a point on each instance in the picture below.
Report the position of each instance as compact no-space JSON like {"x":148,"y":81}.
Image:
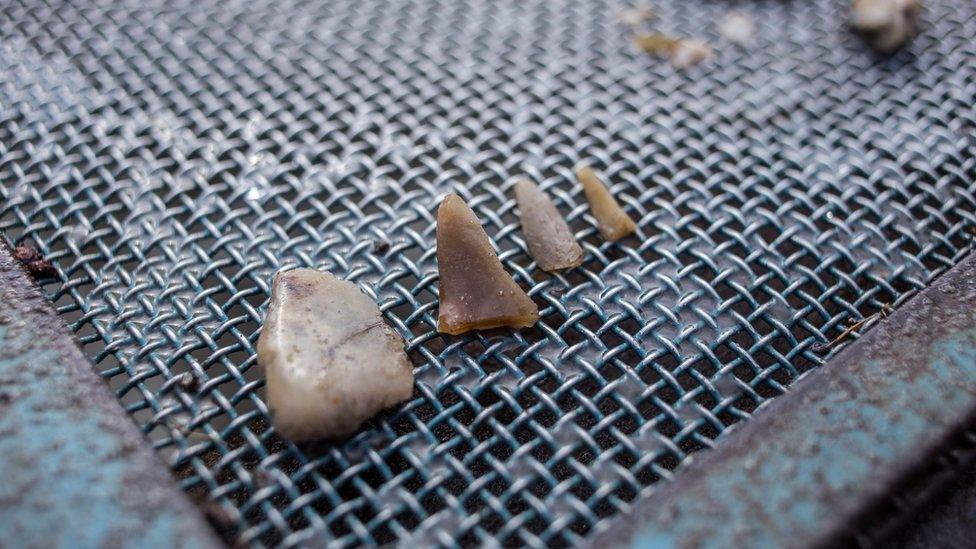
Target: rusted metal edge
{"x":818,"y":466}
{"x":76,"y":470}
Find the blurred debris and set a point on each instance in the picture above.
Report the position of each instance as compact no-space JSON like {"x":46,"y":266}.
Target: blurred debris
{"x":683,"y":52}
{"x":26,"y":254}
{"x":886,"y":24}
{"x":690,"y":52}
{"x":263,"y":478}
{"x":634,"y":16}
{"x":660,"y":45}
{"x":188,"y":382}
{"x":380,"y":246}
{"x":737,"y":27}
{"x":219,"y":516}
{"x":38,"y":267}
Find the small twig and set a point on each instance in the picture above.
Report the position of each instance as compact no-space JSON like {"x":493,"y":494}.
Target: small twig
{"x":823,"y":348}
{"x":362,"y":330}
{"x":172,"y":423}
{"x":187,"y":432}
{"x":330,"y":351}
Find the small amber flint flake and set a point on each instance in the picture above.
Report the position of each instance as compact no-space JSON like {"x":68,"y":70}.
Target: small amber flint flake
{"x":547,"y":235}
{"x":611,"y":219}
{"x":475,"y":291}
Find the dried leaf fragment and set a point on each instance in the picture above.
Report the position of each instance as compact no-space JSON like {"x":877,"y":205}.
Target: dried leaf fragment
{"x":331,"y":362}
{"x":475,"y":291}
{"x":612,"y":221}
{"x":886,"y":24}
{"x":737,"y":28}
{"x":547,"y":235}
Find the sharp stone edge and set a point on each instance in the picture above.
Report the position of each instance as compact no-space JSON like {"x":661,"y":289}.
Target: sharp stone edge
{"x":169,"y":157}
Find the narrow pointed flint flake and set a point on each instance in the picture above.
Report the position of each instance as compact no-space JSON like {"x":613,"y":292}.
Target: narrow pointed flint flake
{"x":331,"y":362}
{"x":612,"y":221}
{"x":547,"y":235}
{"x":475,"y":291}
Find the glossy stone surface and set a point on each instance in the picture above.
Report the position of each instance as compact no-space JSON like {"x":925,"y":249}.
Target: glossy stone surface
{"x":547,"y":235}
{"x":475,"y":291}
{"x":612,"y":221}
{"x":331,"y":361}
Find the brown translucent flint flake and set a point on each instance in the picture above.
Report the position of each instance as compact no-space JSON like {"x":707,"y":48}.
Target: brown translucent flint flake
{"x":547,"y":235}
{"x":611,"y":219}
{"x":475,"y":291}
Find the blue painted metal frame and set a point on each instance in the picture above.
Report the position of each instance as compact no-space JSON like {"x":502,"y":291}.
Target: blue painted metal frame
{"x":811,"y":466}
{"x":76,"y":470}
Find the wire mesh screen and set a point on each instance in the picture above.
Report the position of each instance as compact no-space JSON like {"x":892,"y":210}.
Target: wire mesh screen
{"x":171,"y":156}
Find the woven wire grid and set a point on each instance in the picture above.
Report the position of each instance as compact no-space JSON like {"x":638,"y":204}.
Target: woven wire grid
{"x":171,"y":156}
